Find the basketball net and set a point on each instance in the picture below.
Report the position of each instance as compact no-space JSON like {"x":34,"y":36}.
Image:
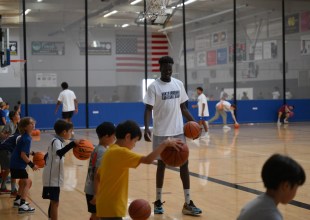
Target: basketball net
{"x":155,"y":8}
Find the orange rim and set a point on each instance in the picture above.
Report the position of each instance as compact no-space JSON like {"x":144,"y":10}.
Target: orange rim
{"x":18,"y":61}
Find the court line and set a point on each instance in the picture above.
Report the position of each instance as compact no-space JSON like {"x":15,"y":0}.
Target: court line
{"x":238,"y":187}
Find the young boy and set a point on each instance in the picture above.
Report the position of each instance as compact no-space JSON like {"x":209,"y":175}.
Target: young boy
{"x":221,"y":108}
{"x":19,"y":161}
{"x":112,"y":194}
{"x":11,"y":126}
{"x":281,"y":176}
{"x":284,"y":113}
{"x":53,"y":173}
{"x":106,"y":135}
{"x":203,"y":110}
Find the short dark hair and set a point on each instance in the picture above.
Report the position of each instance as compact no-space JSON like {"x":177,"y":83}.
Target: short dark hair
{"x":200,"y":88}
{"x":62,"y":125}
{"x":280,"y":168}
{"x":126,"y":127}
{"x":64,"y":85}
{"x":105,"y":128}
{"x":165,"y":59}
{"x":12,"y":114}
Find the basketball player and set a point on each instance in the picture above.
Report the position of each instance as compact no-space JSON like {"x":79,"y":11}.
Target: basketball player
{"x":166,"y":97}
{"x":203,"y":110}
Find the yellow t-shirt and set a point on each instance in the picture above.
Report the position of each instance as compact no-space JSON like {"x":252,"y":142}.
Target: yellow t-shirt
{"x":112,"y":192}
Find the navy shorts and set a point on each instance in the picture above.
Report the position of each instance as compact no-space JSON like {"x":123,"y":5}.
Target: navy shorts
{"x":51,"y":193}
{"x":91,"y":208}
{"x":66,"y":115}
{"x":19,"y":174}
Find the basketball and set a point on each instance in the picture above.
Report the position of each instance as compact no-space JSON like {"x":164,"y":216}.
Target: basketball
{"x":139,"y":209}
{"x":35,"y":132}
{"x":291,"y":114}
{"x":83,"y":150}
{"x":192,"y":130}
{"x":236,"y":126}
{"x":174,"y":158}
{"x":38,"y":159}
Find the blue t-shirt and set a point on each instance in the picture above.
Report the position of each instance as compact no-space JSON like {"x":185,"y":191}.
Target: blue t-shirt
{"x":2,"y":115}
{"x":23,"y":145}
{"x":6,"y":113}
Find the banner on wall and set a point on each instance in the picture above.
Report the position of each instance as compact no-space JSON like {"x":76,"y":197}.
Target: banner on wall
{"x":46,"y":80}
{"x":13,"y":48}
{"x":211,"y":57}
{"x":305,"y":45}
{"x":241,"y":52}
{"x":202,"y":58}
{"x":47,"y":48}
{"x":202,"y":42}
{"x":96,"y":48}
{"x":270,"y":49}
{"x":292,"y":24}
{"x":305,"y":21}
{"x":222,"y":56}
{"x":219,"y":38}
{"x":258,"y":54}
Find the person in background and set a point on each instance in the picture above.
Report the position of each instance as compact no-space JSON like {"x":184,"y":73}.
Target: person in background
{"x":203,"y":110}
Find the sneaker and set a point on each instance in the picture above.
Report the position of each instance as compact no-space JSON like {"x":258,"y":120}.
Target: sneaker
{"x":5,"y":191}
{"x":226,"y":127}
{"x":278,"y":123}
{"x":158,"y":209}
{"x":16,"y":203}
{"x":285,"y":122}
{"x":205,"y":135}
{"x":24,"y":208}
{"x":191,"y":209}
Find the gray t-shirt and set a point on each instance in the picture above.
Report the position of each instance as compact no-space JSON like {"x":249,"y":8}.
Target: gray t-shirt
{"x":10,"y":127}
{"x":94,"y":162}
{"x":262,"y":207}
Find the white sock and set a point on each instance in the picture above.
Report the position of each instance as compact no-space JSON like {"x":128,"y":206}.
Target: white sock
{"x":187,"y":196}
{"x":158,"y":193}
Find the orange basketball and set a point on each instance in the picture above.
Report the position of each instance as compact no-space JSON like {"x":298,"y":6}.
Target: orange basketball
{"x":139,"y":209}
{"x":236,"y":126}
{"x":38,"y":159}
{"x":192,"y":130}
{"x":220,"y":106}
{"x":83,"y":150}
{"x":35,"y":132}
{"x":38,"y":132}
{"x":172,"y":157}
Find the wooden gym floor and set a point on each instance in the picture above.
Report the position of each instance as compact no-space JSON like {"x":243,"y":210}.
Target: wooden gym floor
{"x":225,"y":174}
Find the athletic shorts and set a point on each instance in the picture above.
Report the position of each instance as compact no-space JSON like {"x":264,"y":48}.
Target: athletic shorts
{"x":157,"y":140}
{"x":203,"y":118}
{"x":66,"y":115}
{"x":5,"y":158}
{"x":51,"y":193}
{"x":19,"y":174}
{"x":91,"y":208}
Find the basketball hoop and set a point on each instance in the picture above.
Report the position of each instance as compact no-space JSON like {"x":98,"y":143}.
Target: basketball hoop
{"x":155,"y":8}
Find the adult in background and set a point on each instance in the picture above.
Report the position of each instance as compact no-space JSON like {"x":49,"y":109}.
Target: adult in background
{"x":69,"y":102}
{"x":203,"y":110}
{"x":166,"y":97}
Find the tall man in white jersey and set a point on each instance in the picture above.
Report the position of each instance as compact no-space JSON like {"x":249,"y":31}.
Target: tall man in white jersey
{"x":166,"y":97}
{"x":69,"y":102}
{"x":203,"y":109}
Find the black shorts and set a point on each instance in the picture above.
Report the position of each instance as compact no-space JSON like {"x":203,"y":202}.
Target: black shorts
{"x":51,"y":193}
{"x":91,"y":207}
{"x":66,"y":115}
{"x":19,"y":174}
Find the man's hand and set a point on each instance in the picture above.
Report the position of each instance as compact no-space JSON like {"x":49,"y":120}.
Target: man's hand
{"x":147,"y":135}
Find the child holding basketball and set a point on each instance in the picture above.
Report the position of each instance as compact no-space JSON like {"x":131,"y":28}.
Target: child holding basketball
{"x":53,"y":173}
{"x":284,"y":113}
{"x":113,"y":173}
{"x":19,"y":161}
{"x":281,"y":176}
{"x":106,"y":135}
{"x":220,"y":109}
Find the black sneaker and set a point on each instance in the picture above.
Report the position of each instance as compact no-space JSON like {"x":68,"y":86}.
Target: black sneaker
{"x":191,"y":209}
{"x":158,"y":209}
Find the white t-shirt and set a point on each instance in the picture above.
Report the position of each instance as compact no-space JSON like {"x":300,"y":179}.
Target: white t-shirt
{"x":202,"y":99}
{"x":226,"y":105}
{"x":53,"y":173}
{"x":275,"y":95}
{"x":166,"y":98}
{"x":67,"y":98}
{"x":262,"y":207}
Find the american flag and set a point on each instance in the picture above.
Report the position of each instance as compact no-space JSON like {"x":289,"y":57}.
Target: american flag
{"x":130,"y":53}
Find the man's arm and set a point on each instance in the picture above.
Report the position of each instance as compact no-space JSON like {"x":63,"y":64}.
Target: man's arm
{"x":76,"y":106}
{"x":147,"y":119}
{"x":57,"y":106}
{"x":233,"y":116}
{"x":203,"y":109}
{"x":186,"y":113}
{"x":96,"y":184}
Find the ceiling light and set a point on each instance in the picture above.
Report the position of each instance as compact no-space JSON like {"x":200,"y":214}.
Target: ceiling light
{"x":135,"y":2}
{"x":125,"y":25}
{"x":110,"y":13}
{"x":27,"y":11}
{"x":39,"y":0}
{"x":186,"y":3}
